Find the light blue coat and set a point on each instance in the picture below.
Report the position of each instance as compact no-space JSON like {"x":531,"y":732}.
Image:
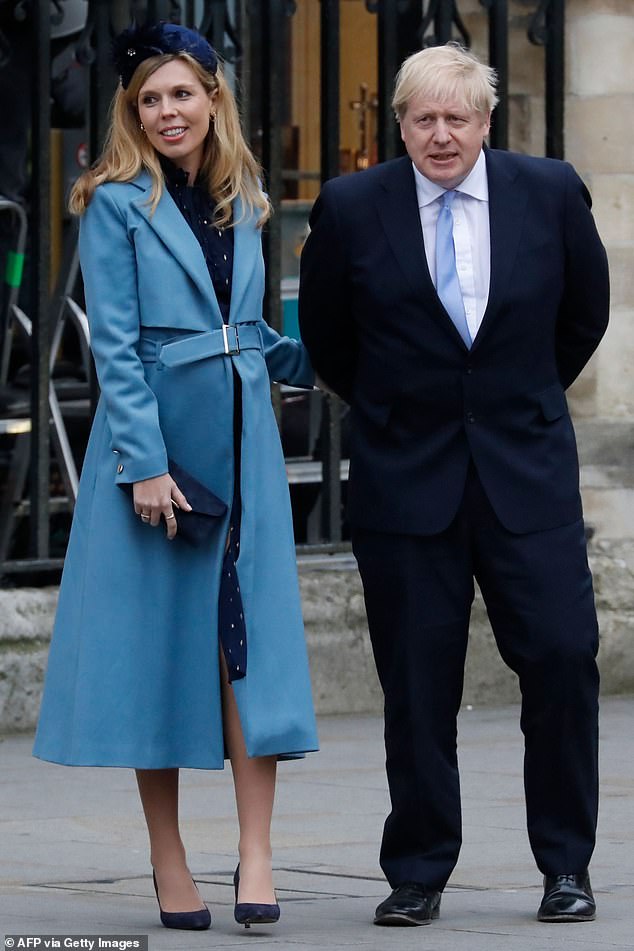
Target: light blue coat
{"x":133,"y":674}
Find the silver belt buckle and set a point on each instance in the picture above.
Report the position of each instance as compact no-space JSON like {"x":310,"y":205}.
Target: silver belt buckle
{"x":230,"y":350}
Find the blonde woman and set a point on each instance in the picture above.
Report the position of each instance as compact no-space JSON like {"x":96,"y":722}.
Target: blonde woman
{"x":179,"y":633}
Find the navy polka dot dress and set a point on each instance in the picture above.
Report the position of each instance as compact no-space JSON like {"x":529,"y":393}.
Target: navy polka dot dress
{"x":198,"y":209}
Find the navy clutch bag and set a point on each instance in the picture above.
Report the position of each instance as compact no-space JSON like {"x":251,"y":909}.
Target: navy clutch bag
{"x":197,"y":526}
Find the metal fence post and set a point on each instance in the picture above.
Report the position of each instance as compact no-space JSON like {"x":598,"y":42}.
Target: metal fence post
{"x":499,"y":59}
{"x":547,"y":29}
{"x":331,"y":405}
{"x":40,"y":250}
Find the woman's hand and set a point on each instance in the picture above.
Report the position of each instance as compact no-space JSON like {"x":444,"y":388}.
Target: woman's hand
{"x":156,"y":497}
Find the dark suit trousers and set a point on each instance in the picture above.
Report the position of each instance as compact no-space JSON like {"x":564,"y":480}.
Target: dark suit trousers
{"x":538,"y":592}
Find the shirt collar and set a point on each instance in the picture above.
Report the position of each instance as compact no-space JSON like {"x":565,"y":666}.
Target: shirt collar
{"x":475,"y":184}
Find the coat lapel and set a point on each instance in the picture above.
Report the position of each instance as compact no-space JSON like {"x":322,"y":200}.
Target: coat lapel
{"x":245,"y":250}
{"x":167,"y":222}
{"x":508,"y":201}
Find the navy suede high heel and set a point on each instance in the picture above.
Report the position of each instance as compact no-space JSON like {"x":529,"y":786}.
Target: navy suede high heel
{"x":184,"y":920}
{"x":247,"y":913}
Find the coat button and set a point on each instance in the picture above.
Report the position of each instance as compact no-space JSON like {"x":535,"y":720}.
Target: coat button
{"x":469,"y":369}
{"x":119,"y":468}
{"x":470,"y":418}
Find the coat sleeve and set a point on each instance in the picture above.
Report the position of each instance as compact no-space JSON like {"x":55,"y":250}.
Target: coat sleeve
{"x":287,"y":360}
{"x":108,"y":266}
{"x":325,"y":319}
{"x":584,"y":312}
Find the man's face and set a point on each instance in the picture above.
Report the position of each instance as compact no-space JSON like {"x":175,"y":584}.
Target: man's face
{"x":443,"y":139}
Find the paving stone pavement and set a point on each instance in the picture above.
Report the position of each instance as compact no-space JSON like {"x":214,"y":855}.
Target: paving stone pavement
{"x":73,"y":850}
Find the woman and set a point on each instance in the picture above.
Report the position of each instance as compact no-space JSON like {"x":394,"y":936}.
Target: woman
{"x":165,"y":653}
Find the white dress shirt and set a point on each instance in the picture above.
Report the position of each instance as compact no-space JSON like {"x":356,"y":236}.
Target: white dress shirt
{"x":470,"y":233}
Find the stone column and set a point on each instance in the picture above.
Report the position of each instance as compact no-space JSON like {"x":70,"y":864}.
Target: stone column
{"x":600,"y":143}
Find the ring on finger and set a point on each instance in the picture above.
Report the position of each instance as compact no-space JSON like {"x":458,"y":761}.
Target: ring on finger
{"x":144,"y":517}
{"x":167,"y":517}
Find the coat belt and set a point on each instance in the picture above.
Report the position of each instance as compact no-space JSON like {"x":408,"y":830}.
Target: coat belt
{"x":228,"y":341}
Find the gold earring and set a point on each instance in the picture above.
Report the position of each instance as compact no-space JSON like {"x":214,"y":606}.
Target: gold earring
{"x":142,"y":128}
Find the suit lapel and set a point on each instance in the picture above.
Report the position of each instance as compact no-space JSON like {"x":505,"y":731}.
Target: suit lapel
{"x":508,"y":200}
{"x":397,"y":204}
{"x":167,"y":222}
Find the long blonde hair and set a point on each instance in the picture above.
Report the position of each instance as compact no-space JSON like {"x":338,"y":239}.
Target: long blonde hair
{"x":229,"y":168}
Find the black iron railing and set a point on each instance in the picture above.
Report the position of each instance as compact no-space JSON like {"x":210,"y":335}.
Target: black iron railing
{"x":251,"y":35}
{"x":547,"y":29}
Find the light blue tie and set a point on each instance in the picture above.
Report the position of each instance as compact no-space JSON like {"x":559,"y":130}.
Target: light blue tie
{"x":447,"y":283}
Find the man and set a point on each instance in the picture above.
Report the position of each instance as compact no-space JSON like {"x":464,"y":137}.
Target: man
{"x":451,"y":296}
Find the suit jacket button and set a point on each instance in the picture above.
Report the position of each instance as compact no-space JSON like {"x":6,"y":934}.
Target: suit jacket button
{"x":119,"y":468}
{"x":470,"y":418}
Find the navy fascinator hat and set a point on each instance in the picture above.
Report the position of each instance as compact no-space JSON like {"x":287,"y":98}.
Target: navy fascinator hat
{"x":139,"y":43}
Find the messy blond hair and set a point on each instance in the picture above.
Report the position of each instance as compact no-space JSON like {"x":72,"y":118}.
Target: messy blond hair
{"x":228,"y":168}
{"x":443,"y":73}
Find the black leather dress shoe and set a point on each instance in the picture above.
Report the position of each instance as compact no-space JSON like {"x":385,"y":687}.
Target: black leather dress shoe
{"x":567,"y":898}
{"x":409,"y":904}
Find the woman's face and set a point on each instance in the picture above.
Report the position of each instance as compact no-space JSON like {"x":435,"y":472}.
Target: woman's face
{"x":174,"y":109}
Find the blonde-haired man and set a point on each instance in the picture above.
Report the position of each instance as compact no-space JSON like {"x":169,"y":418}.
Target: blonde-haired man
{"x":451,"y":296}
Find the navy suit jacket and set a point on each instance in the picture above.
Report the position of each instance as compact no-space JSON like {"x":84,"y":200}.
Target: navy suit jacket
{"x":423,"y":404}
